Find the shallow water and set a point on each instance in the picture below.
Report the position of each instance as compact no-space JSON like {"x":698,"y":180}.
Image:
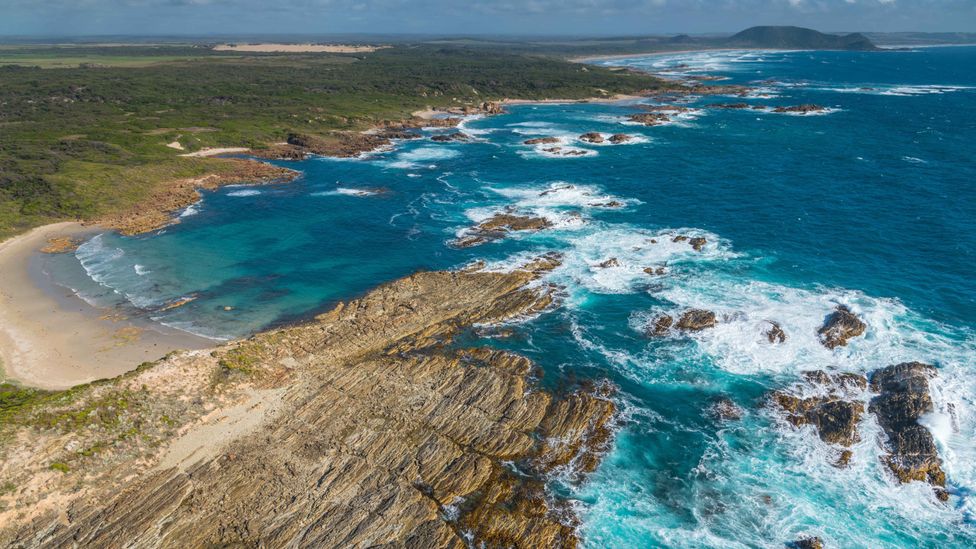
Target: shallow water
{"x":872,"y":205}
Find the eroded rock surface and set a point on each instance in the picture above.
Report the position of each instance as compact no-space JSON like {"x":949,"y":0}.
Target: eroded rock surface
{"x":834,"y":411}
{"x":839,"y":327}
{"x":358,"y":429}
{"x":499,"y":225}
{"x":696,"y":320}
{"x":903,"y":398}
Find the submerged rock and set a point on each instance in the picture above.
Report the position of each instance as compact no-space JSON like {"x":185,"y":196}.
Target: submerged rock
{"x":724,"y":408}
{"x":904,"y":398}
{"x":696,"y":320}
{"x":839,"y":327}
{"x":454,"y":136}
{"x":732,"y":106}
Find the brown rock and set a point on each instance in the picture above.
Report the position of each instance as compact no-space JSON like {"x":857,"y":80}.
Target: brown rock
{"x":592,"y":137}
{"x":650,"y":118}
{"x":807,"y":543}
{"x":455,"y":136}
{"x":801,"y":109}
{"x":612,"y":262}
{"x":61,"y":245}
{"x":774,"y":333}
{"x":661,"y":325}
{"x":904,"y":398}
{"x":697,"y":242}
{"x":839,"y":327}
{"x":497,"y":226}
{"x":619,"y":138}
{"x":733,"y":106}
{"x":696,"y":320}
{"x":541,"y":141}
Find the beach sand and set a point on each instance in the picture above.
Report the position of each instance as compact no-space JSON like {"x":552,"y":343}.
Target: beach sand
{"x":52,"y":339}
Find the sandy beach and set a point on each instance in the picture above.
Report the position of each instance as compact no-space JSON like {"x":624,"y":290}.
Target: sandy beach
{"x":52,"y":339}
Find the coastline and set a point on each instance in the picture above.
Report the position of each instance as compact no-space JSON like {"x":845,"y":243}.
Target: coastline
{"x":55,"y":343}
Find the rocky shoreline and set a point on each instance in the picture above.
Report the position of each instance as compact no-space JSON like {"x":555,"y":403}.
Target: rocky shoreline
{"x":362,"y":427}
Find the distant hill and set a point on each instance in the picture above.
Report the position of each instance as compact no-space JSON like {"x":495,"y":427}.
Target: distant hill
{"x":798,"y":38}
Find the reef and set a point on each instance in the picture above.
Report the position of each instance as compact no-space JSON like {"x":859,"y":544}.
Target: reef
{"x":839,"y":327}
{"x":362,"y":427}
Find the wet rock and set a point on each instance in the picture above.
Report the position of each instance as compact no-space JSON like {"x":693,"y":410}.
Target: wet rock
{"x":619,"y":138}
{"x":800,"y":109}
{"x":592,"y":137}
{"x":697,"y":242}
{"x":565,"y":152}
{"x":732,"y":106}
{"x":661,"y":325}
{"x":724,"y":408}
{"x":610,"y":204}
{"x":664,"y":108}
{"x":541,"y":141}
{"x":650,"y":118}
{"x":399,"y":134}
{"x":612,"y":262}
{"x":455,"y":136}
{"x":499,"y":225}
{"x":696,"y":320}
{"x":774,"y":333}
{"x":655,"y":270}
{"x":836,"y":419}
{"x":839,"y":327}
{"x":903,"y":398}
{"x":806,"y":543}
{"x":680,"y":238}
{"x":844,"y":460}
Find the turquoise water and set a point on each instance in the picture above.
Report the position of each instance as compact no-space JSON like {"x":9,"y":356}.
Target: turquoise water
{"x":871,"y":205}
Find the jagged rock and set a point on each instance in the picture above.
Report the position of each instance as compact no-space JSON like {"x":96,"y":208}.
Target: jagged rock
{"x":661,"y":325}
{"x":655,"y":270}
{"x":455,"y":136}
{"x":839,"y":327}
{"x":356,"y":429}
{"x":725,"y":409}
{"x":774,"y":333}
{"x":592,"y":137}
{"x":610,"y":204}
{"x":835,"y":416}
{"x":612,"y":262}
{"x":698,"y":242}
{"x":801,"y":109}
{"x":541,"y":141}
{"x":680,"y":238}
{"x":844,"y":460}
{"x":497,"y":226}
{"x":492,"y":107}
{"x":650,"y":118}
{"x":696,"y":320}
{"x":399,"y":134}
{"x":807,"y":543}
{"x":904,"y":398}
{"x":619,"y":138}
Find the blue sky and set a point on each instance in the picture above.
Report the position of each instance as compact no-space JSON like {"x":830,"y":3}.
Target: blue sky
{"x":80,"y":17}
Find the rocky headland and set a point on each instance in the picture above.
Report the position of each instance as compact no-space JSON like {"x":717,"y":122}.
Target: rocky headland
{"x":362,"y":427}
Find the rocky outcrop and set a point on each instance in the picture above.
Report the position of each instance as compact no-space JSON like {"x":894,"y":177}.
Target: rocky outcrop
{"x":360,"y":428}
{"x":619,"y":138}
{"x":592,"y":137}
{"x":800,"y":109}
{"x":696,"y":320}
{"x":774,"y":333}
{"x":650,"y":118}
{"x":661,"y":326}
{"x":696,"y":242}
{"x":729,"y":106}
{"x":656,"y":271}
{"x":903,"y":398}
{"x":158,"y":210}
{"x":834,"y":411}
{"x":840,"y":326}
{"x":612,"y":262}
{"x":806,"y":543}
{"x":454,"y":136}
{"x":541,"y":141}
{"x":499,"y":225}
{"x":61,"y":245}
{"x":559,"y":151}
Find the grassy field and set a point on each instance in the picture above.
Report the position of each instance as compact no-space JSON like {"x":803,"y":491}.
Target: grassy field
{"x":80,"y":142}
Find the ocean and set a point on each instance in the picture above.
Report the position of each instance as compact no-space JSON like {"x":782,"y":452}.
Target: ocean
{"x":870,"y":204}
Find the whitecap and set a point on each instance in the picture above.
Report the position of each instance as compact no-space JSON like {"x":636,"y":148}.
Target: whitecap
{"x":247,"y":192}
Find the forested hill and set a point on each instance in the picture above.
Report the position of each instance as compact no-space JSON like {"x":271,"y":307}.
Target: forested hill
{"x":798,"y":38}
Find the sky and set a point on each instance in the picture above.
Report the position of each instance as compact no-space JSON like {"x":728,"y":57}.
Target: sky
{"x":535,"y":17}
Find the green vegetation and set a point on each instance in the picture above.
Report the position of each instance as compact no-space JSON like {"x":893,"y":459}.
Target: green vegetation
{"x":82,"y":142}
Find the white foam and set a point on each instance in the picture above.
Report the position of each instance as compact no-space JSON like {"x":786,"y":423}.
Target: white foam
{"x":141,"y":270}
{"x":248,"y":192}
{"x":192,"y":209}
{"x":419,"y":157}
{"x":346,"y":191}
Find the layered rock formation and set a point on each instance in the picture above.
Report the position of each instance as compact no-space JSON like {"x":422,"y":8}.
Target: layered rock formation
{"x":360,"y":428}
{"x":903,"y":398}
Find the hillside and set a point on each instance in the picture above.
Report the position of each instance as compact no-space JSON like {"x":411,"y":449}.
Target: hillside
{"x":798,"y":38}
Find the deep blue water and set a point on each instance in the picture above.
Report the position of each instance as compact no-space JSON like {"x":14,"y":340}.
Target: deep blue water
{"x":871,"y":205}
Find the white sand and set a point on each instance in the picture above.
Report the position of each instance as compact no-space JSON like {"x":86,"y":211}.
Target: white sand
{"x":216,"y":151}
{"x":46,"y":343}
